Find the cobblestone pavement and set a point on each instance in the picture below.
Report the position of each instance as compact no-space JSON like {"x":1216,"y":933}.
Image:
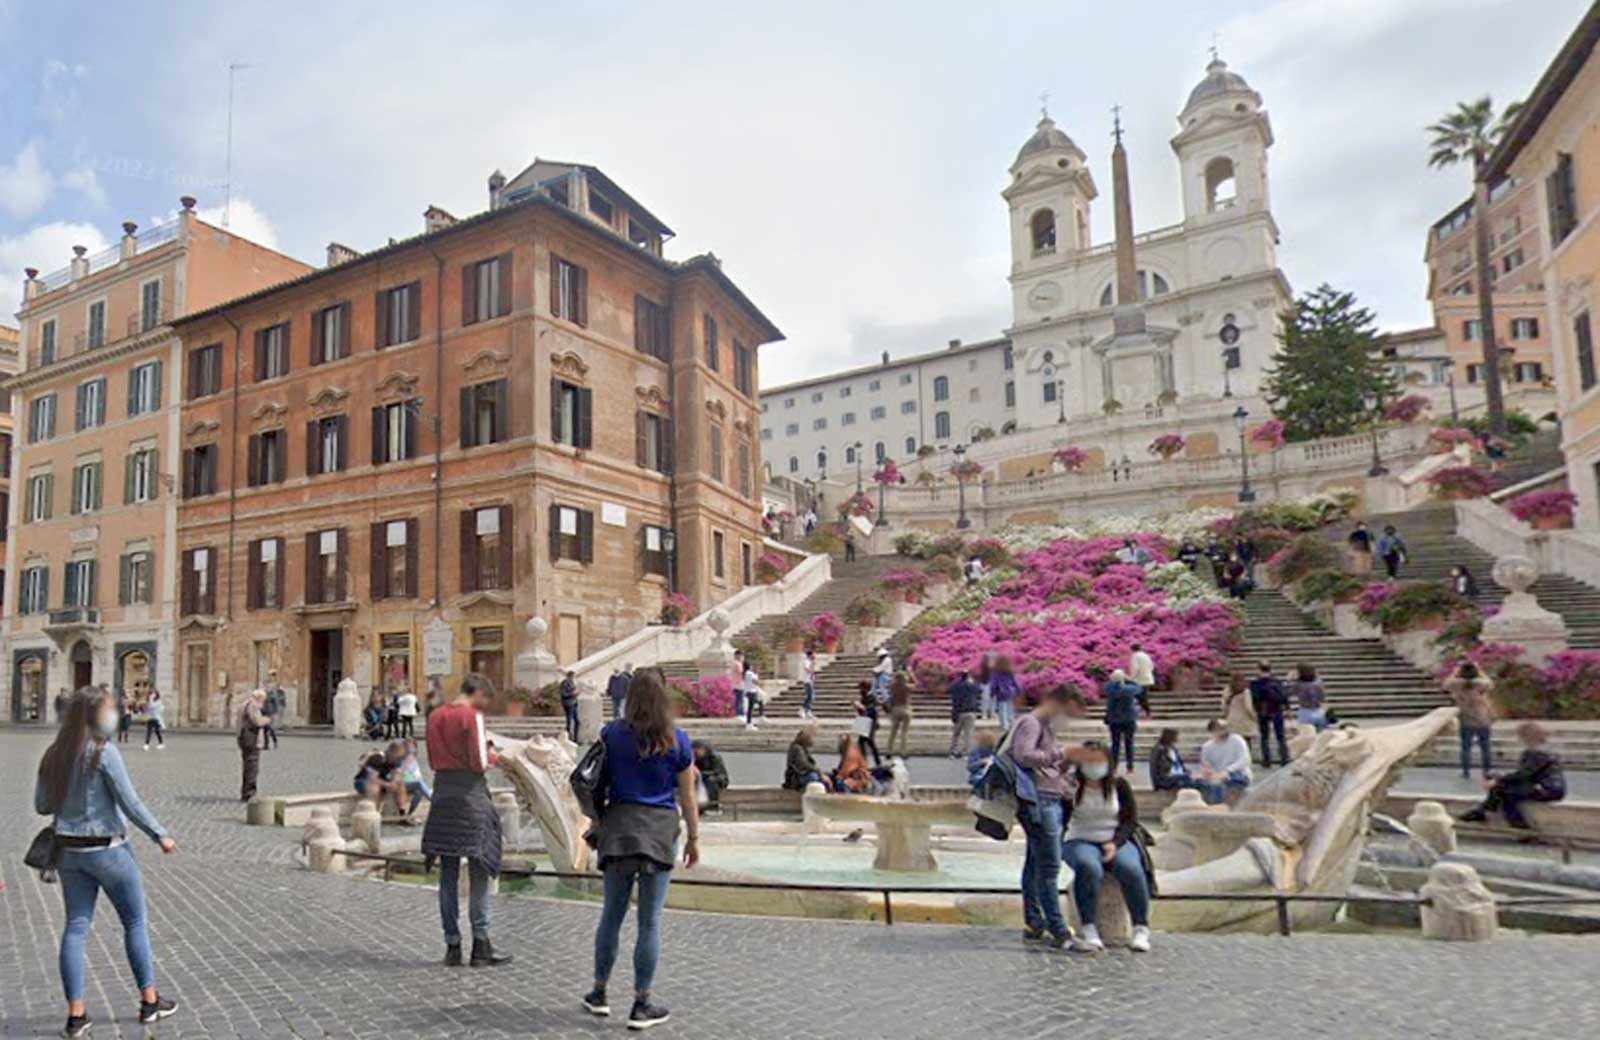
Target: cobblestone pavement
{"x":254,"y":947}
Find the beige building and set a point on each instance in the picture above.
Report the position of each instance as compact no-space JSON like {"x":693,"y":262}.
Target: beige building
{"x":89,"y":567}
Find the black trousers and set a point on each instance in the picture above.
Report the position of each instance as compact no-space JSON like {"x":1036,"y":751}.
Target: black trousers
{"x":1507,"y":797}
{"x":250,"y":762}
{"x":269,"y":733}
{"x":1271,"y":724}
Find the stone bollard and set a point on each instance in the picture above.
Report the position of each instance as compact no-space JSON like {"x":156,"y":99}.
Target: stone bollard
{"x":505,"y":806}
{"x":322,"y":824}
{"x":813,"y":823}
{"x":1111,"y":913}
{"x":591,"y":716}
{"x":323,"y":855}
{"x":1432,"y":823}
{"x":261,"y":812}
{"x":366,"y":825}
{"x":1460,"y":908}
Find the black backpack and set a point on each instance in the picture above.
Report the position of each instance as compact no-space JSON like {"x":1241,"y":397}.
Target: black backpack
{"x":589,"y":781}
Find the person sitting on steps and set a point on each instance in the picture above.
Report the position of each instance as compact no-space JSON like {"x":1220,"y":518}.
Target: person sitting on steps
{"x":1537,"y":778}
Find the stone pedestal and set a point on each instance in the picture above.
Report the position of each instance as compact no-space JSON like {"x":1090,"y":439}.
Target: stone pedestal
{"x":1111,"y":913}
{"x":505,"y":806}
{"x":1433,"y":825}
{"x":347,"y":709}
{"x":261,"y":812}
{"x":716,"y":659}
{"x":323,"y":855}
{"x":591,"y":716}
{"x":862,"y":640}
{"x":791,"y":664}
{"x":1460,"y":908}
{"x":811,"y":821}
{"x":1521,"y":621}
{"x":901,"y":613}
{"x":536,"y":666}
{"x":366,"y":826}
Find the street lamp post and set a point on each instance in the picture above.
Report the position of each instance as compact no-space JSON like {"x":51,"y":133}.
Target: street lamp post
{"x":1246,"y":492}
{"x":669,"y":546}
{"x":1450,"y":381}
{"x":859,"y":485}
{"x":1061,"y":400}
{"x":1374,"y":403}
{"x":961,"y":488}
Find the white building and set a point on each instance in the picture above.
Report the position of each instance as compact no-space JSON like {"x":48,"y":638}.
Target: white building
{"x":1211,"y":288}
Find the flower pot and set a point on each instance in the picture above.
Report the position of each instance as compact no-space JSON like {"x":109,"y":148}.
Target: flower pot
{"x":515,"y":709}
{"x":795,"y":645}
{"x":1550,"y":523}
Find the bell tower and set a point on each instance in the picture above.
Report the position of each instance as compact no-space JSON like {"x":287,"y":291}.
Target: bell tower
{"x":1049,"y":195}
{"x":1222,"y":147}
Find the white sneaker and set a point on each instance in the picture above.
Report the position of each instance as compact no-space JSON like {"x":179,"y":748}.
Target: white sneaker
{"x":1140,"y":943}
{"x":1088,"y":940}
{"x":147,"y":747}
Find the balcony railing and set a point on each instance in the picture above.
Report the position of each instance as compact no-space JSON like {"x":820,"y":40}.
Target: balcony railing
{"x":140,"y":321}
{"x":159,"y":235}
{"x":68,"y":616}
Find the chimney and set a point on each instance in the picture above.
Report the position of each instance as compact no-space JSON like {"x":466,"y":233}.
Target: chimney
{"x":886,"y":357}
{"x":130,"y":244}
{"x":955,"y":344}
{"x":339,"y":253}
{"x":436,"y":219}
{"x":80,"y":263}
{"x":497,"y":184}
{"x":31,"y":286}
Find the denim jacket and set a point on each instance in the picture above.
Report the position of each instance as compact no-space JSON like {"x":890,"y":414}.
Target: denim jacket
{"x":99,"y":804}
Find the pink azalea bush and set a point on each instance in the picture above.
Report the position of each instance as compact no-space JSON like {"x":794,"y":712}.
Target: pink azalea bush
{"x":825,"y":629}
{"x":1167,"y":445}
{"x":1269,"y":433}
{"x":676,"y":608}
{"x":770,"y":567}
{"x":1460,"y":482}
{"x":1543,"y":505}
{"x":858,"y":504}
{"x":1071,"y":458}
{"x":888,"y":473}
{"x":907,"y":582}
{"x":704,"y":698}
{"x":1445,"y":438}
{"x":1407,"y":409}
{"x":1070,"y":615}
{"x":1372,"y":597}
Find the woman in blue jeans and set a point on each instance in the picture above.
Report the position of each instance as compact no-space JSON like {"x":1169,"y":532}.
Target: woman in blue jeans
{"x":650,"y":779}
{"x":1101,"y":818}
{"x":83,"y":784}
{"x":1040,"y":760}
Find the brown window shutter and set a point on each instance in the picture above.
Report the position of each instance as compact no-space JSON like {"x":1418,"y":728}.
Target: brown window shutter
{"x":342,"y":565}
{"x":639,"y":438}
{"x":585,"y":424}
{"x":261,"y":354}
{"x":414,"y":310}
{"x":380,"y":319}
{"x":581,"y":290}
{"x":555,"y":286}
{"x":186,"y":585}
{"x":413,"y":579}
{"x":555,"y":531}
{"x":252,"y":575}
{"x":508,"y":541}
{"x":342,"y":431}
{"x":316,"y":336}
{"x":469,"y":551}
{"x":376,"y":557}
{"x":555,"y":410}
{"x":344,"y":330}
{"x":380,"y":430}
{"x":313,"y":572}
{"x":283,"y":565}
{"x":505,"y":285}
{"x":502,"y":410}
{"x":252,"y":465}
{"x":639,"y":320}
{"x":469,"y":294}
{"x":664,"y":335}
{"x":280,"y":452}
{"x":585,"y":536}
{"x":466,"y":418}
{"x":313,"y":456}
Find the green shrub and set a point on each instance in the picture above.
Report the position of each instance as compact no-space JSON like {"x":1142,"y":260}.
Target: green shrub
{"x":1307,"y":553}
{"x":824,"y":540}
{"x":1411,"y":605}
{"x":866,"y":610}
{"x":1328,"y":585}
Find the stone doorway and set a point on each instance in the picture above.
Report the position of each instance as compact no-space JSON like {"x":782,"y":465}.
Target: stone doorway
{"x":322,"y":679}
{"x":28,"y":686}
{"x":196,"y":682}
{"x":82,"y":664}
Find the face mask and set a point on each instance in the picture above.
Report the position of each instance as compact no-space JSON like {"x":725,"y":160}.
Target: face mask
{"x":1096,"y":771}
{"x":106,"y":724}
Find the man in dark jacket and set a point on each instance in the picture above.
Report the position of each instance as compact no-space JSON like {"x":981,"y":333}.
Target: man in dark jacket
{"x":1538,"y":778}
{"x":713,"y":773}
{"x":1125,"y":702}
{"x":569,"y":704}
{"x":1270,"y":700}
{"x":966,"y":697}
{"x":617,"y":689}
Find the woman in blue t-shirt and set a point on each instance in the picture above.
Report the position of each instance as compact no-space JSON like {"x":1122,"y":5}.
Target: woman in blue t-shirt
{"x":650,"y":777}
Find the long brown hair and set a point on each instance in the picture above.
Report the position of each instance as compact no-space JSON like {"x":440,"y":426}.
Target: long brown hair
{"x":649,"y":713}
{"x":60,"y":761}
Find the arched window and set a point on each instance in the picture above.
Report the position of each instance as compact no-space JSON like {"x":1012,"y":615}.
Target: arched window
{"x":1150,"y":284}
{"x":822,"y":462}
{"x":794,"y":464}
{"x":1043,"y":227}
{"x":911,"y":446}
{"x":941,"y":426}
{"x":1221,"y":187}
{"x":849,"y":454}
{"x":880,"y":453}
{"x":941,"y":389}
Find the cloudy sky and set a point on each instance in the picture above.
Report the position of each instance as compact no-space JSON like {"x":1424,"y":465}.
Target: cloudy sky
{"x":844,"y":159}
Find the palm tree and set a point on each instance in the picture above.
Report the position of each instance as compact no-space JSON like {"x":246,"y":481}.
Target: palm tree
{"x":1470,"y":132}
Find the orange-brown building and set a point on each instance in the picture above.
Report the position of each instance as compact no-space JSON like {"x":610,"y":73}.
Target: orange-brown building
{"x":526,"y":412}
{"x":90,"y":559}
{"x":10,"y":340}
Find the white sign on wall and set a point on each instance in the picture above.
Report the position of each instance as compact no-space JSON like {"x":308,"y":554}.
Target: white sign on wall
{"x":438,"y":648}
{"x":613,"y":515}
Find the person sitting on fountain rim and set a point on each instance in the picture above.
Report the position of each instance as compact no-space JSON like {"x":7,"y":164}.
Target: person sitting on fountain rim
{"x":1537,"y":778}
{"x":800,"y":768}
{"x":713,"y":778}
{"x":1167,"y":769}
{"x":851,"y":776}
{"x":1224,"y":763}
{"x":1102,"y":826}
{"x":979,"y":757}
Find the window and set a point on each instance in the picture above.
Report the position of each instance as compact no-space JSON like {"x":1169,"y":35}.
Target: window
{"x":96,"y":325}
{"x":1561,"y":197}
{"x":267,"y":458}
{"x":1006,"y":358}
{"x":90,"y":404}
{"x":1043,"y":228}
{"x":794,"y":464}
{"x":1511,"y":261}
{"x":139,"y":476}
{"x":571,"y":534}
{"x":41,"y":490}
{"x":398,"y":314}
{"x":198,"y":594}
{"x":911,"y":446}
{"x":325,"y":566}
{"x":200,"y":470}
{"x":1472,"y":328}
{"x":844,"y":391}
{"x":742,"y":458}
{"x":816,"y":397}
{"x":47,"y":344}
{"x":655,"y":549}
{"x":34,"y":592}
{"x":272,"y":350}
{"x":1583,"y":341}
{"x":652,"y":328}
{"x":972,"y":394}
{"x":709,"y":333}
{"x":822,"y":462}
{"x":1221,"y":186}
{"x":569,"y":291}
{"x":941,"y":389}
{"x":571,"y":419}
{"x":394,"y":559}
{"x":880,"y":453}
{"x":144,"y":388}
{"x":849,"y":454}
{"x":394,"y":660}
{"x":766,"y":433}
{"x":715,"y":435}
{"x":1011,"y":394}
{"x":394,"y":432}
{"x":149,"y":305}
{"x":487,"y":655}
{"x":819,"y":424}
{"x":941,"y":426}
{"x":908,"y":407}
{"x":1474,"y":372}
{"x":205,"y":371}
{"x":791,"y":429}
{"x":601,"y":207}
{"x":486,"y":289}
{"x":134,"y":571}
{"x":41,"y":418}
{"x":872,"y":387}
{"x":264,"y":574}
{"x":788,"y":402}
{"x":325,"y":443}
{"x":5,"y":465}
{"x":746,"y":557}
{"x":847,"y":419}
{"x":1528,"y":372}
{"x":878,"y":411}
{"x":744,"y":369}
{"x":330,"y":334}
{"x":1524,"y":328}
{"x":653,"y":441}
{"x":78,"y":588}
{"x":85,"y":487}
{"x":718,"y":567}
{"x":485,"y":413}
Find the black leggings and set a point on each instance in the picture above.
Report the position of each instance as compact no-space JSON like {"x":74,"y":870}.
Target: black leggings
{"x":152,"y":728}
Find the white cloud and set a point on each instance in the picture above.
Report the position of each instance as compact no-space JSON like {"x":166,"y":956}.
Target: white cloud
{"x":86,"y":181}
{"x":47,"y":247}
{"x":25,"y":184}
{"x":245,"y":219}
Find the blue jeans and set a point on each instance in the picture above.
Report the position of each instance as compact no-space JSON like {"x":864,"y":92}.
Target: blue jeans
{"x":450,"y":899}
{"x":1121,"y":736}
{"x":571,"y":711}
{"x":1041,"y":866}
{"x":987,"y":707}
{"x":418,"y":792}
{"x":1089,"y":873}
{"x":738,"y":702}
{"x":1006,"y":710}
{"x":619,"y":881}
{"x":84,"y":874}
{"x":1216,"y":794}
{"x":1316,"y":718}
{"x":1469,"y":734}
{"x":618,"y":706}
{"x":809,"y":699}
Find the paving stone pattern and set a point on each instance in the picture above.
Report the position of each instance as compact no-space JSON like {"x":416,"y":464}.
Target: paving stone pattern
{"x":254,"y":947}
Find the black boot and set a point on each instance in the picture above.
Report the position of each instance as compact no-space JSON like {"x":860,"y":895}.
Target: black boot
{"x":483,"y":955}
{"x":452,"y":955}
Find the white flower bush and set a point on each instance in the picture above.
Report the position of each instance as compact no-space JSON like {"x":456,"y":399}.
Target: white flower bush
{"x":1182,"y":585}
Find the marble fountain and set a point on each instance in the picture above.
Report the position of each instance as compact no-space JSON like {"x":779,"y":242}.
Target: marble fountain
{"x":1300,"y":829}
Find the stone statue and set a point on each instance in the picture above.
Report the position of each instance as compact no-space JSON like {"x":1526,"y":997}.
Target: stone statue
{"x":1459,"y":907}
{"x":540,"y":769}
{"x":347,"y":709}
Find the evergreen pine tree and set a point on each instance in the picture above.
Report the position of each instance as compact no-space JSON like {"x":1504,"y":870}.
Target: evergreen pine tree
{"x":1327,"y":361}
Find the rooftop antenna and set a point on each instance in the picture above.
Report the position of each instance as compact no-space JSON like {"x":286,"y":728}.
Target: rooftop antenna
{"x":1116,"y":122}
{"x":227,"y":177}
